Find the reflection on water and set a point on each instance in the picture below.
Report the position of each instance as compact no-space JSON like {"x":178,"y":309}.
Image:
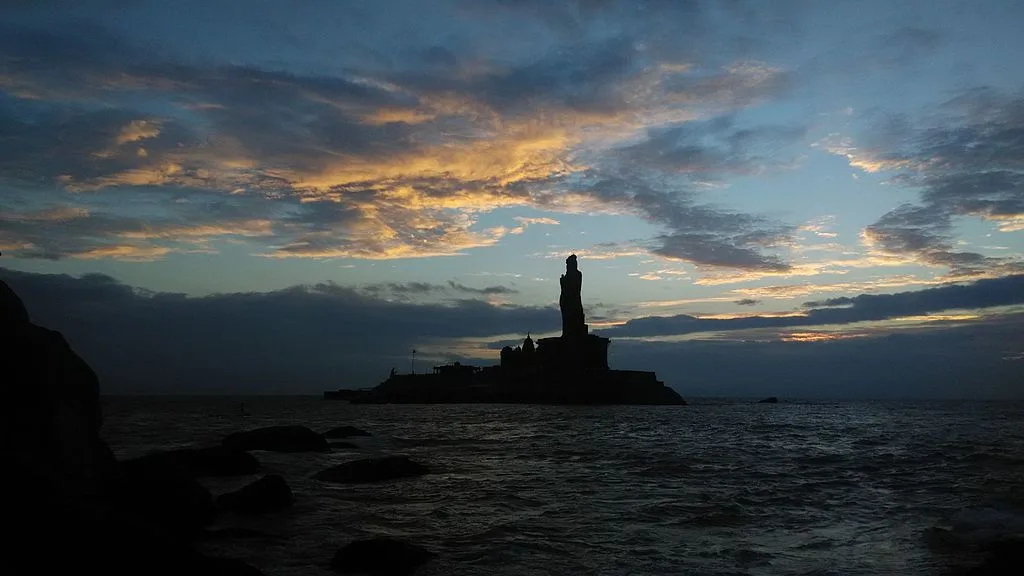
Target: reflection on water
{"x":710,"y":488}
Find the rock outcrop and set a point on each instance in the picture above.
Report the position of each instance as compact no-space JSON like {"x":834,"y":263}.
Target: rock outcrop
{"x":277,"y":439}
{"x":345,"y":432}
{"x":215,"y":461}
{"x":268,"y":494}
{"x":50,"y":416}
{"x":770,"y":400}
{"x":70,"y":506}
{"x":380,"y":557}
{"x":372,"y":470}
{"x":1003,"y":558}
{"x":163,"y":494}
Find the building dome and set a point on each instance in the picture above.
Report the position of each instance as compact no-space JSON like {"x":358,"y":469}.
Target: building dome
{"x":528,"y":343}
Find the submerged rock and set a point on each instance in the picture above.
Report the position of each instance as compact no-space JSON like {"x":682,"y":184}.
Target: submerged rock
{"x":268,"y":494}
{"x":213,"y":461}
{"x":277,"y":439}
{"x":380,"y":557}
{"x":373,"y":470}
{"x":769,"y":400}
{"x":345,"y":432}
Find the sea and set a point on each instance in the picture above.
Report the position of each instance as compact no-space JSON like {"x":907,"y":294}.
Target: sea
{"x":718,"y":487}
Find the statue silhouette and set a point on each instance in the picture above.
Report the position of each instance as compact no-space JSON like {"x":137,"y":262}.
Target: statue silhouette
{"x":570,"y":300}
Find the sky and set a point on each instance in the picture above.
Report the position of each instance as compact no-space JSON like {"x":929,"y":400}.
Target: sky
{"x":766,"y":198}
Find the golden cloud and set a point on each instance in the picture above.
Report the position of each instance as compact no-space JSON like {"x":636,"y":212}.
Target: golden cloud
{"x":127,"y":252}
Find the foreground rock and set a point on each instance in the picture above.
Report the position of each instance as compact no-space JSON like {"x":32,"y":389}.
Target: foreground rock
{"x":69,"y":506}
{"x":380,"y":557}
{"x":206,"y":462}
{"x":345,"y":432}
{"x":770,"y":400}
{"x":1004,"y":558}
{"x":50,"y":414}
{"x":268,"y":494}
{"x":277,"y":439}
{"x":209,"y":566}
{"x":235,"y":533}
{"x":372,"y":470}
{"x":162,"y":493}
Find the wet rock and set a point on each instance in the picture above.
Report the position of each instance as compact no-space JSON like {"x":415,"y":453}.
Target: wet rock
{"x":268,"y":494}
{"x":70,"y":506}
{"x":234,"y":533}
{"x":769,"y":400}
{"x":345,"y":432}
{"x":1005,"y":558}
{"x":211,"y":566}
{"x":213,"y":461}
{"x":50,"y":415}
{"x":380,"y":557}
{"x":373,"y":470}
{"x":277,"y":439}
{"x":164,"y":494}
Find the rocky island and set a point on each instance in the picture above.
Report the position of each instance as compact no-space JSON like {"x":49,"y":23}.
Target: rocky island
{"x":567,"y":369}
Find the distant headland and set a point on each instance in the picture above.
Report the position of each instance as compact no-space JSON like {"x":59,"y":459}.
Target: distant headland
{"x":567,"y":369}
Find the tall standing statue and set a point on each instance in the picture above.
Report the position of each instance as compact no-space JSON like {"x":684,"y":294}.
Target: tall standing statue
{"x":570,"y":300}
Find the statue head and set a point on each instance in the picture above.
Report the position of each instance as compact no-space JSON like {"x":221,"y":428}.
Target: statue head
{"x":570,"y":262}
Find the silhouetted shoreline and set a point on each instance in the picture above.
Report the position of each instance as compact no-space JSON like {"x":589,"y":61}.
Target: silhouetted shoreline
{"x":567,"y":369}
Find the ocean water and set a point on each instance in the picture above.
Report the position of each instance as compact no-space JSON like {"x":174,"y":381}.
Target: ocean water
{"x":713,"y":488}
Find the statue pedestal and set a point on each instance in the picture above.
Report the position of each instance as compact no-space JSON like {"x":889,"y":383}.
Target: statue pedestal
{"x":586,"y":353}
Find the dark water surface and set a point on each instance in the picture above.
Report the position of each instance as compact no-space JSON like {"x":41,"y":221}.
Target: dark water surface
{"x":711,"y":488}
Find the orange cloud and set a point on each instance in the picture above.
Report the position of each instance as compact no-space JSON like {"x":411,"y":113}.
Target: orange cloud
{"x":128,"y":253}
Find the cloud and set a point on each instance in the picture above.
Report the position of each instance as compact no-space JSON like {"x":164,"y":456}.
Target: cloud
{"x":966,"y":162}
{"x":403,"y":289}
{"x":299,"y":339}
{"x":661,"y":177}
{"x":986,"y":293}
{"x":966,"y":361}
{"x":528,"y":221}
{"x":488,"y":290}
{"x":747,"y":302}
{"x":702,"y":235}
{"x":305,"y":339}
{"x":43,"y":224}
{"x":385,"y":163}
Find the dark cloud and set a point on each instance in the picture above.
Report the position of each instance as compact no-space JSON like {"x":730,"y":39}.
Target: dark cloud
{"x":45,"y":224}
{"x":309,"y":338}
{"x":585,"y":78}
{"x":729,"y":89}
{"x":42,"y":144}
{"x":747,"y":302}
{"x":286,"y":120}
{"x":88,"y":110}
{"x":970,"y":165}
{"x":488,"y":290}
{"x":966,"y":361}
{"x":980,"y":294}
{"x":695,"y":153}
{"x":703,"y":235}
{"x":712,"y":148}
{"x":427,"y":288}
{"x":300,"y":339}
